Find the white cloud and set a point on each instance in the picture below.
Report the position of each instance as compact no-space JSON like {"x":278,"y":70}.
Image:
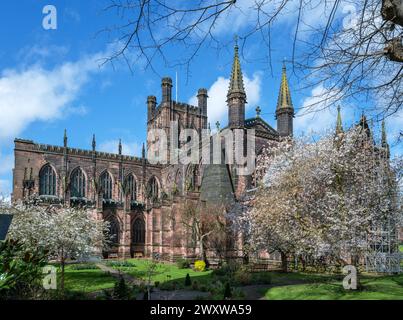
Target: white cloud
{"x":38,"y":94}
{"x":128,"y":148}
{"x":217,"y":109}
{"x":6,"y":163}
{"x":315,"y":116}
{"x":5,"y":188}
{"x":246,"y":13}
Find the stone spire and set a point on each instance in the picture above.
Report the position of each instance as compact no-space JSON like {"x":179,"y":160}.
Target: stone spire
{"x":384,"y":142}
{"x":284,"y":97}
{"x":339,"y":124}
{"x":285,"y":108}
{"x":236,"y":83}
{"x":236,"y":96}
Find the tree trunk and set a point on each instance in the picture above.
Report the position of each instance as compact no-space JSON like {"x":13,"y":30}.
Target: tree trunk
{"x":284,"y":262}
{"x":201,"y":249}
{"x":62,"y":275}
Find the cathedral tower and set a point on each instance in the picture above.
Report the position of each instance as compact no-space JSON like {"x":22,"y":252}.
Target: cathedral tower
{"x":285,"y":109}
{"x":236,"y":97}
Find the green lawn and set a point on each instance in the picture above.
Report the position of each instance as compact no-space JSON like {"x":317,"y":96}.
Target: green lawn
{"x":284,"y":286}
{"x":374,"y":288}
{"x":87,"y":280}
{"x":165,"y":271}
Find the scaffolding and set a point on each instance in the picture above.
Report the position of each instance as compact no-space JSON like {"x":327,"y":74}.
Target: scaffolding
{"x":383,"y":250}
{"x":383,"y":254}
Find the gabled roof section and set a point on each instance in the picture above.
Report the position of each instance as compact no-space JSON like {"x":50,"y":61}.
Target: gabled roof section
{"x":261,"y":127}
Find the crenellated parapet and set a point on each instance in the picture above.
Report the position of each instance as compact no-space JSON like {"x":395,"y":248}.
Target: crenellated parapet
{"x":22,"y":144}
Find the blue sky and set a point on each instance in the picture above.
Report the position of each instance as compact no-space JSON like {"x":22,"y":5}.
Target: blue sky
{"x":51,"y":80}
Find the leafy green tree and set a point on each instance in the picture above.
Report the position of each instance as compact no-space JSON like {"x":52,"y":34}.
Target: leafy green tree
{"x":20,"y":270}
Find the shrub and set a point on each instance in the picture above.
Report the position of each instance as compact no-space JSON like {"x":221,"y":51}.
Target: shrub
{"x":242,"y":277}
{"x":216,"y":288}
{"x":126,"y":264}
{"x":121,"y":291}
{"x":166,"y":286}
{"x":238,"y":294}
{"x":20,"y":270}
{"x":83,"y":266}
{"x":188,"y":282}
{"x":227,"y":291}
{"x":203,"y":288}
{"x":200,"y":265}
{"x":195,"y":285}
{"x":156,"y":284}
{"x":262,"y":278}
{"x":183,"y":263}
{"x":227,"y":268}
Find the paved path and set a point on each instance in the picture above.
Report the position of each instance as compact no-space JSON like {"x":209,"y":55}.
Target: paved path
{"x":254,"y":292}
{"x":117,"y":274}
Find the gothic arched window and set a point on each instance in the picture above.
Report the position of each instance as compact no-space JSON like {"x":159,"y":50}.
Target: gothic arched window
{"x":131,"y":187}
{"x":153,"y":189}
{"x":113,"y":230}
{"x":105,"y":181}
{"x":192,"y":178}
{"x":138,"y":232}
{"x":78,"y":183}
{"x":47,"y":181}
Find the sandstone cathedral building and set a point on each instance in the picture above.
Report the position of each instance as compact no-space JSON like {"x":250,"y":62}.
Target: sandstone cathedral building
{"x":143,"y":202}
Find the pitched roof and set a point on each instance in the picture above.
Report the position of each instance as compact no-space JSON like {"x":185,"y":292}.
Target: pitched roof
{"x":261,"y":127}
{"x":216,"y":185}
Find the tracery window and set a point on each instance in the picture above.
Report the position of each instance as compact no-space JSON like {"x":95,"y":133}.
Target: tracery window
{"x":138,"y":232}
{"x":78,"y":183}
{"x":113,"y":230}
{"x":131,"y":187}
{"x":105,"y":181}
{"x":153,"y":189}
{"x":47,"y":181}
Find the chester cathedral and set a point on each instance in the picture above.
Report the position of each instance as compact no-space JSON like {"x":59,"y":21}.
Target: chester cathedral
{"x":143,"y":202}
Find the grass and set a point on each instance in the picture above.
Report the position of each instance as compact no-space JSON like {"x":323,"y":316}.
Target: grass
{"x":374,"y":288}
{"x":165,"y":271}
{"x":284,"y":286}
{"x":87,"y":280}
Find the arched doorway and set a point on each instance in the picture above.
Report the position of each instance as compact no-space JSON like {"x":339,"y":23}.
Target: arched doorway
{"x":138,"y":238}
{"x":112,"y":236}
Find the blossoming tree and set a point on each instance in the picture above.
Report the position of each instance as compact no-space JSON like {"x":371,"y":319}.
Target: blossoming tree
{"x":321,"y":200}
{"x":63,"y":232}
